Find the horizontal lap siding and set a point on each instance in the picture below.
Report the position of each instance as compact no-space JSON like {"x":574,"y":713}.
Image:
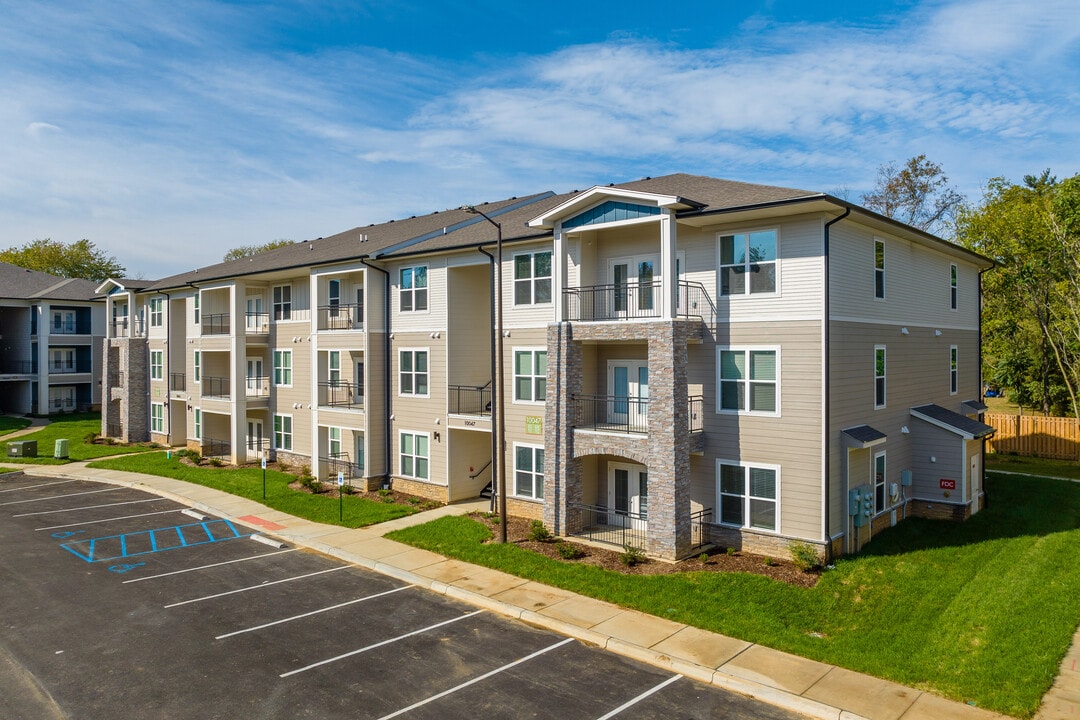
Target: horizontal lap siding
{"x":516,"y":412}
{"x":520,"y":315}
{"x":418,"y":414}
{"x":434,"y":318}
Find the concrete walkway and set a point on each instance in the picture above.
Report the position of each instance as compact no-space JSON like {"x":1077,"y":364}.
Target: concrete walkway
{"x":804,"y":686}
{"x":35,"y":424}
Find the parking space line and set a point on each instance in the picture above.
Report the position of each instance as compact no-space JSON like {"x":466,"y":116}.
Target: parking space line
{"x":61,"y":497}
{"x":257,"y":587}
{"x":87,"y":507}
{"x":92,"y":522}
{"x":475,"y":680}
{"x":639,"y":698}
{"x":204,"y":567}
{"x":380,"y":644}
{"x":313,"y":612}
{"x":115,"y":547}
{"x":31,"y":487}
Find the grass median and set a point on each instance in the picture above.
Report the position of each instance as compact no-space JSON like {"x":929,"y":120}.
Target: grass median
{"x":11,"y":424}
{"x":980,"y":612}
{"x":248,"y":482}
{"x":74,"y":428}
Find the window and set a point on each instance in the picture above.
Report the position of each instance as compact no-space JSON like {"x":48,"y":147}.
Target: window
{"x":156,"y":312}
{"x":413,"y":289}
{"x":749,"y":495}
{"x":532,"y":278}
{"x":333,"y":296}
{"x":334,"y":368}
{"x":334,"y":435}
{"x":749,"y":381}
{"x":283,"y":302}
{"x":879,"y":376}
{"x":196,"y":308}
{"x":197,"y":366}
{"x":952,"y":286}
{"x":879,"y":482}
{"x":413,"y":455}
{"x":283,"y":367}
{"x":413,"y":372}
{"x":156,"y":359}
{"x":157,"y":417}
{"x":879,"y":269}
{"x":283,"y":432}
{"x":62,"y":360}
{"x":748,"y":263}
{"x":198,"y":424}
{"x":954,"y":378}
{"x":530,"y":375}
{"x":529,"y":471}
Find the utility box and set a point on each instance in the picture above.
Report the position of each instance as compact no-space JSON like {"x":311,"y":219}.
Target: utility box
{"x":22,"y":448}
{"x":60,"y":452}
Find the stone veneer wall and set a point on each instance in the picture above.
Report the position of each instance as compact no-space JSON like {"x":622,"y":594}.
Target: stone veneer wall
{"x":130,"y":356}
{"x":422,"y":489}
{"x":745,"y":540}
{"x":939,"y":510}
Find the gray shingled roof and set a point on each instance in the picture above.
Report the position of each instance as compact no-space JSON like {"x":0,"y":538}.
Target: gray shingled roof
{"x":18,"y":283}
{"x":954,"y":422}
{"x":864,"y":435}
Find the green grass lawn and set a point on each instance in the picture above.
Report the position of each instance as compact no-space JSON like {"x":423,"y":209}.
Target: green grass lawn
{"x":11,"y":424}
{"x":75,"y":428}
{"x":247,"y":482}
{"x":979,"y":612}
{"x":1033,"y":466}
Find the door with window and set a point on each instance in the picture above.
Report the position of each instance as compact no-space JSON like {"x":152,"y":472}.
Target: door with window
{"x":254,"y":439}
{"x":633,"y":281}
{"x":628,"y":496}
{"x":255,"y":380}
{"x":628,"y":401}
{"x":254,"y":319}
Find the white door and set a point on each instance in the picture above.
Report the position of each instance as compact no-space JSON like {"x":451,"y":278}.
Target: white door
{"x":628,"y":403}
{"x":254,"y":376}
{"x":628,"y":496}
{"x":975,"y":480}
{"x":254,"y":318}
{"x":634,"y":294}
{"x":254,"y":439}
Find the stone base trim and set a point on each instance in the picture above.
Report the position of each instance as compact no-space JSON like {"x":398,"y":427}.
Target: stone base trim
{"x":524,"y":509}
{"x":939,"y":510}
{"x":776,"y":546}
{"x":422,"y":489}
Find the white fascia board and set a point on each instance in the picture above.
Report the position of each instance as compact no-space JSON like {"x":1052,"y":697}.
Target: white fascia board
{"x":593,"y":194}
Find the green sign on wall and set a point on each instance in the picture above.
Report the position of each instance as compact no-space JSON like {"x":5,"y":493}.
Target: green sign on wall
{"x":534,"y":425}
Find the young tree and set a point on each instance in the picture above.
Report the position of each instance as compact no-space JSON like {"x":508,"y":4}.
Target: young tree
{"x":917,"y":194}
{"x":248,"y":250}
{"x":80,"y":259}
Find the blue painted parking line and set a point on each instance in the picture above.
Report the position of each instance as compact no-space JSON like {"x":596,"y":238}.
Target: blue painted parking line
{"x":117,"y":547}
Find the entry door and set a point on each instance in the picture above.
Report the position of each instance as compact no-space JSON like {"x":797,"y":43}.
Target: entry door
{"x":254,"y":375}
{"x":254,"y":439}
{"x":628,"y":495}
{"x":975,"y":481}
{"x":629,"y":383}
{"x":254,"y":317}
{"x":632,"y":279}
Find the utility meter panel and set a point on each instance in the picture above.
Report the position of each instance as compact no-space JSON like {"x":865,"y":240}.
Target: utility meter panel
{"x":861,"y":504}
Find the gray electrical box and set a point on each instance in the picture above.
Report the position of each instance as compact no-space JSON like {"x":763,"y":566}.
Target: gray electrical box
{"x":905,"y":478}
{"x":22,"y":448}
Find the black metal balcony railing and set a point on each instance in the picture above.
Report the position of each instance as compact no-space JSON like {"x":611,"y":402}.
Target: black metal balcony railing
{"x":116,"y":379}
{"x":123,"y":327}
{"x":341,"y":394}
{"x":257,"y":387}
{"x":177,"y":382}
{"x":694,"y":301}
{"x":257,"y":447}
{"x":613,"y":527}
{"x":339,"y":463}
{"x":66,"y":404}
{"x":66,"y":328}
{"x":694,"y":407}
{"x":215,"y":324}
{"x":613,"y":302}
{"x":341,"y":317}
{"x":216,"y":448}
{"x":16,"y":367}
{"x":611,"y":413}
{"x":699,"y":526}
{"x":469,"y":400}
{"x":215,"y":387}
{"x":256,"y":323}
{"x":63,"y":368}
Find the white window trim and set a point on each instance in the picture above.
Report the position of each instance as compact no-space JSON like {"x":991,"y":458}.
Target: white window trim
{"x":273,"y":305}
{"x":885,"y":377}
{"x":427,"y":457}
{"x":513,"y":486}
{"x":954,"y":369}
{"x":748,"y":349}
{"x":160,"y":365}
{"x":746,"y":494}
{"x":514,"y":375}
{"x":197,"y":310}
{"x":153,"y":419}
{"x":197,"y":421}
{"x":884,"y":482}
{"x":196,"y":367}
{"x":532,"y":279}
{"x":274,"y":433}
{"x":159,"y":313}
{"x":274,"y":370}
{"x":884,"y":264}
{"x":747,"y":294}
{"x":400,"y":290}
{"x":414,"y":350}
{"x":954,"y":287}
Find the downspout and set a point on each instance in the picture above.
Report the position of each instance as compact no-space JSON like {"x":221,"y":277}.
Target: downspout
{"x":825,"y":434}
{"x":491,"y":324}
{"x":389,"y":397}
{"x":168,"y":349}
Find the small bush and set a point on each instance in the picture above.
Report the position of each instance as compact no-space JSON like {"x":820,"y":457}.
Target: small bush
{"x":414,"y":501}
{"x":703,"y":558}
{"x":631,"y":556}
{"x":305,"y":471}
{"x":538,"y":532}
{"x":311,"y":484}
{"x":804,"y":556}
{"x":383,"y":492}
{"x":569,"y":551}
{"x":91,"y":438}
{"x":348,"y":489}
{"x":731,"y":552}
{"x":283,"y":466}
{"x":769,"y":562}
{"x":216,"y":462}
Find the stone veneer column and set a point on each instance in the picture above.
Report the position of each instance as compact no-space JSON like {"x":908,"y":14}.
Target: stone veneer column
{"x":135,"y":404}
{"x":562,"y":474}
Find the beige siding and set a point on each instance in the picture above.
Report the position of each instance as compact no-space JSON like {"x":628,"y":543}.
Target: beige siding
{"x":434,"y":318}
{"x":418,"y":414}
{"x":521,"y":315}
{"x":469,"y":333}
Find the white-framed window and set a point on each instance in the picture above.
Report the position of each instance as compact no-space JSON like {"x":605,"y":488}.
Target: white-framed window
{"x":532,"y":278}
{"x":157,"y":364}
{"x":197,"y":366}
{"x":62,"y":360}
{"x":748,"y":494}
{"x":283,"y":432}
{"x":953,"y":273}
{"x":157,"y":313}
{"x":413,"y":372}
{"x":198,"y":424}
{"x":282,"y":302}
{"x":157,"y":417}
{"x":879,"y":482}
{"x":196,"y":308}
{"x":413,"y":289}
{"x":879,"y":376}
{"x":749,"y":380}
{"x":413,"y":455}
{"x":334,"y":436}
{"x":748,"y":263}
{"x":333,"y":369}
{"x":529,"y":471}
{"x":283,"y":368}
{"x":879,"y":269}
{"x":64,"y":322}
{"x":954,"y":369}
{"x":530,"y":374}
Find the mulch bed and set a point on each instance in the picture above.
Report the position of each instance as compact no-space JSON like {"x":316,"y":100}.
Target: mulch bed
{"x":718,"y":560}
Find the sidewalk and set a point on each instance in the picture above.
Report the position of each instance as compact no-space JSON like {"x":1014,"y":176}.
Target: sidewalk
{"x":804,"y":686}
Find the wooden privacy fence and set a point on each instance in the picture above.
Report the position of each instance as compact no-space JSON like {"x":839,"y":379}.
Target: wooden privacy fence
{"x":1055,"y":438}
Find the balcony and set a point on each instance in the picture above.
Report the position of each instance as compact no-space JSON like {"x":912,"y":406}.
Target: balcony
{"x":216,"y":387}
{"x":629,"y":415}
{"x":122,"y":328}
{"x":177,"y":382}
{"x":16,"y":367}
{"x":639,"y":301}
{"x":469,"y":400}
{"x":63,"y":368}
{"x":341,"y":394}
{"x":212,"y":448}
{"x":341,"y":317}
{"x":340,"y":463}
{"x":612,"y":527}
{"x":255,"y":323}
{"x":257,"y":387}
{"x":215,"y":324}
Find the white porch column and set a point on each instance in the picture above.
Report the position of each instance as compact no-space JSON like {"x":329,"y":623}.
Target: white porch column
{"x":44,"y":329}
{"x":669,"y":279}
{"x":558,"y":273}
{"x":237,"y":374}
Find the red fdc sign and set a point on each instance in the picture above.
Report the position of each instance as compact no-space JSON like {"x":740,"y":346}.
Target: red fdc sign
{"x":947,"y":484}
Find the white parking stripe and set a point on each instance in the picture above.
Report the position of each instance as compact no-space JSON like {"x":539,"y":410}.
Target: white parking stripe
{"x":87,"y":507}
{"x":639,"y":698}
{"x":60,"y":497}
{"x":204,"y":567}
{"x":380,"y":644}
{"x":313,"y":612}
{"x":31,"y":487}
{"x":475,"y":680}
{"x":258,"y":587}
{"x":91,"y":522}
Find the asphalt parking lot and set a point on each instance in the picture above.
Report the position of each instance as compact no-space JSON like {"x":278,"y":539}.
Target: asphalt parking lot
{"x":118,"y":604}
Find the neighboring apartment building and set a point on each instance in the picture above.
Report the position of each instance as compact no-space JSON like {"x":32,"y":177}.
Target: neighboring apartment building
{"x":688,"y":360}
{"x":51,"y":329}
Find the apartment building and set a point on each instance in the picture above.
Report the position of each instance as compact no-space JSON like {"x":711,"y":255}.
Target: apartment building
{"x":688,"y":361}
{"x":51,"y":331}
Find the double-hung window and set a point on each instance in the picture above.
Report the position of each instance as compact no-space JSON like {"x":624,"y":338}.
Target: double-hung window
{"x":156,"y":312}
{"x":334,"y":436}
{"x":879,"y":269}
{"x":197,"y":366}
{"x":529,"y":471}
{"x":749,"y":381}
{"x":413,"y":372}
{"x":879,"y":376}
{"x":953,"y":270}
{"x":413,"y":289}
{"x":532,"y":278}
{"x":530,"y":375}
{"x":413,"y":455}
{"x":749,"y":495}
{"x":879,"y":482}
{"x":198,"y":424}
{"x":196,"y":308}
{"x":283,"y":367}
{"x":954,"y":369}
{"x":156,"y":364}
{"x":282,"y":302}
{"x":157,"y":417}
{"x":283,"y":432}
{"x":748,"y":263}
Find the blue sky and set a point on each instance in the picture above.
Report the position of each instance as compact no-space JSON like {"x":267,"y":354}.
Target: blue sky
{"x":168,"y":133}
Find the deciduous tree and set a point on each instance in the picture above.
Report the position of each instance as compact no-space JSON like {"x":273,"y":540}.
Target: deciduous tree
{"x":918,"y":194}
{"x":248,"y":250}
{"x":80,"y":259}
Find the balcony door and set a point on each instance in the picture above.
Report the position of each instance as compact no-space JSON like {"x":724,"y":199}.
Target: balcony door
{"x":255,"y":317}
{"x":254,"y":439}
{"x":254,"y":379}
{"x":628,"y":495}
{"x":628,"y":395}
{"x":632,"y":281}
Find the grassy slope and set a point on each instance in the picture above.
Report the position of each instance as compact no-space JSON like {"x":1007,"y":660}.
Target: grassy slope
{"x":11,"y":424}
{"x":980,"y":612}
{"x":74,"y":428}
{"x":1033,"y":466}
